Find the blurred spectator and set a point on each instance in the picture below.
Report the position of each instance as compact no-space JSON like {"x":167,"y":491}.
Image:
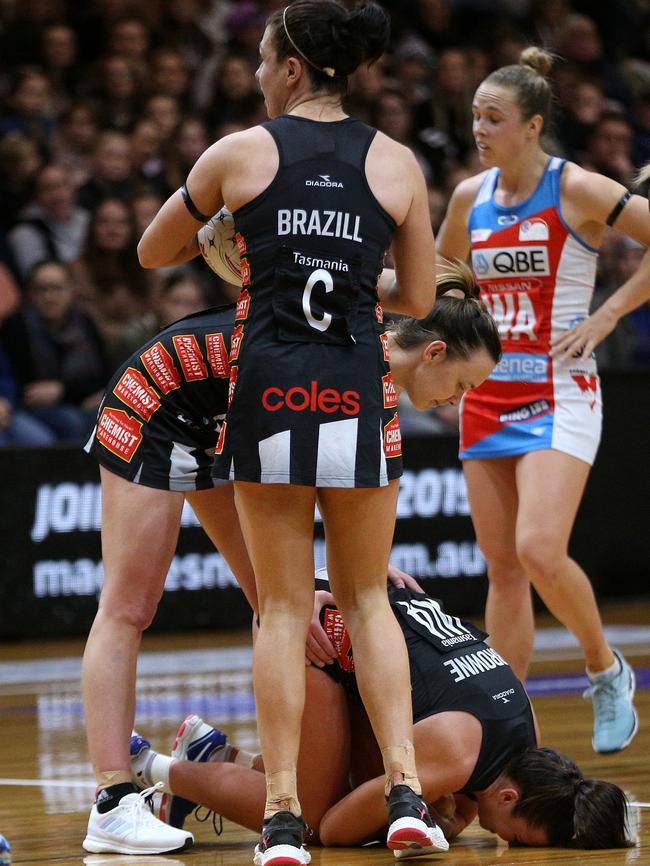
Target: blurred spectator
{"x":449,"y":110}
{"x":95,"y":19}
{"x":246,"y":27}
{"x":609,"y":148}
{"x":111,"y":175}
{"x":618,"y":259}
{"x":74,"y":140}
{"x":236,"y":96}
{"x":129,"y":37}
{"x":394,"y":117}
{"x":580,"y":44}
{"x":17,"y":427}
{"x":56,"y":354}
{"x":27,"y":106}
{"x":59,"y":62}
{"x":118,"y":92}
{"x":20,"y":161}
{"x":549,"y":19}
{"x":437,"y":206}
{"x":51,"y":226}
{"x":108,"y":278}
{"x":146,"y":205}
{"x":186,"y":145}
{"x":23,"y":24}
{"x":165,"y":112}
{"x":579,"y":118}
{"x":147,"y":162}
{"x":168,"y":73}
{"x":180,"y":295}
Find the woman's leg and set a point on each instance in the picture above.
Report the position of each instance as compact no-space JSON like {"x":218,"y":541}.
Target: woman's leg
{"x":550,"y":485}
{"x":139,"y":532}
{"x":494,"y":500}
{"x":359,"y":527}
{"x":278,"y":524}
{"x":239,"y":794}
{"x":216,"y":512}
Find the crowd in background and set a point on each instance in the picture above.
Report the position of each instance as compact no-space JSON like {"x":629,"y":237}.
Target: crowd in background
{"x":105,"y":106}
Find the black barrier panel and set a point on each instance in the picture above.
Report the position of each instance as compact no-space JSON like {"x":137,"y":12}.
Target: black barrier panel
{"x":50,"y":572}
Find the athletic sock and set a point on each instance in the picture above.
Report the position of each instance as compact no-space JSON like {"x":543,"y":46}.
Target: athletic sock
{"x":612,"y":670}
{"x":108,"y":798}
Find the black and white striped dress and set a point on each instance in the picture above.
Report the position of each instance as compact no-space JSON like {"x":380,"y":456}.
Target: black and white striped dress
{"x":312,"y":398}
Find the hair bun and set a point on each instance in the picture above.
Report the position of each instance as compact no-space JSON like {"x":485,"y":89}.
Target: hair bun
{"x":537,"y":59}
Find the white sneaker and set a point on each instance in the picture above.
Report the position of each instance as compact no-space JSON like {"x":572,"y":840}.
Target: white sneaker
{"x":132,"y":828}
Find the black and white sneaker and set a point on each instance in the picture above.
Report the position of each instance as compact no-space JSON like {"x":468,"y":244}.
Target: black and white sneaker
{"x":282,"y":842}
{"x":411,"y":830}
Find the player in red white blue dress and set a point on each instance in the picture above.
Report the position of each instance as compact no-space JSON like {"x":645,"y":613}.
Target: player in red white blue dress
{"x":533,"y":224}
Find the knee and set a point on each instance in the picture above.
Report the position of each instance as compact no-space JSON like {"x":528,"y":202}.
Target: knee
{"x":133,"y":613}
{"x":504,"y":569}
{"x":541,"y":556}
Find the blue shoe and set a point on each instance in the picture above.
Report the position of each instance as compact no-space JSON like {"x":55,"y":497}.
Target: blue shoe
{"x":195,"y":741}
{"x":615,"y":718}
{"x":141,"y":755}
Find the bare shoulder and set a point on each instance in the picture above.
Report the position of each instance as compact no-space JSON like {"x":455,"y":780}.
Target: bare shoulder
{"x":392,"y":156}
{"x":591,"y":194}
{"x":240,"y":146}
{"x":466,"y":191}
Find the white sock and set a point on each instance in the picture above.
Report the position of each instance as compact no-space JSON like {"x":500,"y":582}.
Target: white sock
{"x":612,"y":670}
{"x":244,"y":759}
{"x":151,"y":767}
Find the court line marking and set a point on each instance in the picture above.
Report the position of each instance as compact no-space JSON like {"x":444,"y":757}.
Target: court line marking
{"x":50,"y":783}
{"x":83,"y":783}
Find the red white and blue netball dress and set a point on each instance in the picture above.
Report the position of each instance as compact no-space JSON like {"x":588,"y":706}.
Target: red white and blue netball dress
{"x":536,"y":277}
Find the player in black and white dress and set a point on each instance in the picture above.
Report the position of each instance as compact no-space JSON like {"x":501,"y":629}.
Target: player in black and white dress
{"x":156,"y":431}
{"x":310,"y":388}
{"x":475,"y":736}
{"x":157,"y":427}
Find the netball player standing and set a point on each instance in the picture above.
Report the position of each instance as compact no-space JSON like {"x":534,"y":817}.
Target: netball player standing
{"x":529,"y":434}
{"x":317,"y":197}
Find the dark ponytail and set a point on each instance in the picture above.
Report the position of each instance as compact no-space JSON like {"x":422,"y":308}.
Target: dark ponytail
{"x":575,"y":812}
{"x":332,"y":40}
{"x":463,"y":323}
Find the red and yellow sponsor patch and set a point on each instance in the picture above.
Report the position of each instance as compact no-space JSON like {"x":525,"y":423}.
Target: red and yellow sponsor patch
{"x":245,"y":272}
{"x":393,"y":438}
{"x":222,"y":438}
{"x":119,"y":432}
{"x":241,"y":243}
{"x":385,"y":347}
{"x":190,"y":357}
{"x":232,"y":384}
{"x":134,"y":390}
{"x":217,"y":354}
{"x":243,"y":305}
{"x":379,"y":313}
{"x":390,"y":392}
{"x":235,"y":342}
{"x":160,"y":366}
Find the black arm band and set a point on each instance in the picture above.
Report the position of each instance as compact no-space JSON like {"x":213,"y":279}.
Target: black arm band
{"x":192,"y":208}
{"x":618,"y":207}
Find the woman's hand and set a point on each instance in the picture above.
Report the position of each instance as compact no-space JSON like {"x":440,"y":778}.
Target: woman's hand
{"x":319,"y":650}
{"x":580,"y":342}
{"x":401,"y":579}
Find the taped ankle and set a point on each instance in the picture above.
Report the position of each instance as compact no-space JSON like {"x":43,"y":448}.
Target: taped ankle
{"x":400,"y":761}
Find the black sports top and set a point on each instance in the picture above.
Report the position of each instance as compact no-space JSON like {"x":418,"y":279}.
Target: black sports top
{"x":452,"y":668}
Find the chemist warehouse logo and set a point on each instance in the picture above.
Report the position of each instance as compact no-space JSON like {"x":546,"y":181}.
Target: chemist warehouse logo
{"x":324,"y":180}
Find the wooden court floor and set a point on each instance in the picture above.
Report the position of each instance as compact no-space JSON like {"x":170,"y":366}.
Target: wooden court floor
{"x":46,"y":783}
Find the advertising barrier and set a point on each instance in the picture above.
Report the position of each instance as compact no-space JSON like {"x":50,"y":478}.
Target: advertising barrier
{"x":51,"y":570}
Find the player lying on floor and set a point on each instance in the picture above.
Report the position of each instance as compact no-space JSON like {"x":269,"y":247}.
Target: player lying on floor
{"x":475,"y":737}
